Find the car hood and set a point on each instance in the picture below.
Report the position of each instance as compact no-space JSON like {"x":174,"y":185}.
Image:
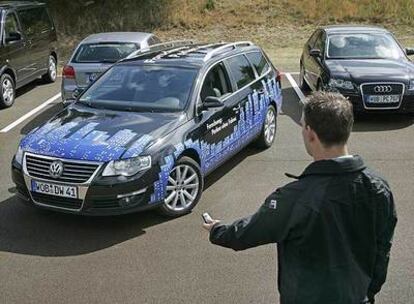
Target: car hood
{"x":83,"y":133}
{"x":371,"y":70}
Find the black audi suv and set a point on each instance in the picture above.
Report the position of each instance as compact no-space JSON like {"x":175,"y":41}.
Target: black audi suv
{"x":365,"y":64}
{"x":148,"y":130}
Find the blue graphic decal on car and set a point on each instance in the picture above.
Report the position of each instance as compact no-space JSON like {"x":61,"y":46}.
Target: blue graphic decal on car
{"x":250,"y":123}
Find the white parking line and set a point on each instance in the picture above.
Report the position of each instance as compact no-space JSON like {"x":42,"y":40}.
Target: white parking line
{"x":296,"y":87}
{"x":32,"y":112}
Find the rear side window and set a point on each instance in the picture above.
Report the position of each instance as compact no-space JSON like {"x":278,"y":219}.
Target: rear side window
{"x":241,"y":70}
{"x":35,"y":21}
{"x":259,"y":62}
{"x":103,"y":52}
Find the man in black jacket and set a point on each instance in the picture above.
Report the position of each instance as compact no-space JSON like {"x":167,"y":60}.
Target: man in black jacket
{"x":333,"y":226}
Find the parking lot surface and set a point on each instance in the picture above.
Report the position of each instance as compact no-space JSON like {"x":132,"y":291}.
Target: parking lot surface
{"x":48,"y":257}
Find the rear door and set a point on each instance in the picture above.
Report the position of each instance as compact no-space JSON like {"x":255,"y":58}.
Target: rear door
{"x":37,"y":27}
{"x":15,"y":51}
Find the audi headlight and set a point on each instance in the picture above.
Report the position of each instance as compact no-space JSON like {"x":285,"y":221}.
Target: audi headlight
{"x":411,"y":86}
{"x":19,"y":155}
{"x":341,"y":84}
{"x":127,"y":167}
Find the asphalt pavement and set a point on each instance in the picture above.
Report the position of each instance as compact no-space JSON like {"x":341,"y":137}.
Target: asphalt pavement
{"x":47,"y":257}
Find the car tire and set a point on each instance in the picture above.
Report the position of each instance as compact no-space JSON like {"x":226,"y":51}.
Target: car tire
{"x":302,"y":82}
{"x":8,"y":91}
{"x":51,"y":74}
{"x":184,"y":188}
{"x":268,"y":134}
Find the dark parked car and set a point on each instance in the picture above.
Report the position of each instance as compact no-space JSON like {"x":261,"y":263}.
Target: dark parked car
{"x":147,"y":131}
{"x":28,"y":47}
{"x":366,"y":64}
{"x":96,"y":53}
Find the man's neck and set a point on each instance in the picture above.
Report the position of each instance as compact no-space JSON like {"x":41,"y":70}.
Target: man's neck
{"x":329,"y":153}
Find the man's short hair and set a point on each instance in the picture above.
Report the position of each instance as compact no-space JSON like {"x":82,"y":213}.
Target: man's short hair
{"x":331,"y":116}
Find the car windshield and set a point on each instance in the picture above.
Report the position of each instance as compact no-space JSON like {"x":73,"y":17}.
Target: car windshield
{"x":363,"y":46}
{"x":141,"y":88}
{"x":103,"y":52}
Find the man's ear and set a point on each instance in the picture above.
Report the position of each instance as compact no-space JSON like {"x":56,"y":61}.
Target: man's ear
{"x":312,"y":136}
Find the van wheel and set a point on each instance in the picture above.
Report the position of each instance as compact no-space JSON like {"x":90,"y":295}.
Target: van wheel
{"x":51,"y":74}
{"x":268,"y":133}
{"x":184,"y":188}
{"x":8,"y":91}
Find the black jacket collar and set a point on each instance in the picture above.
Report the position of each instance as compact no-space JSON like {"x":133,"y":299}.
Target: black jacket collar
{"x":333,"y":166}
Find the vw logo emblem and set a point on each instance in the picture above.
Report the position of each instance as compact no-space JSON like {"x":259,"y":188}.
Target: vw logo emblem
{"x":56,"y":169}
{"x":382,"y":89}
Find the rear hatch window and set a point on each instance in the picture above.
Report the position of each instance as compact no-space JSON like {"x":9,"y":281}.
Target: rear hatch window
{"x":103,"y":52}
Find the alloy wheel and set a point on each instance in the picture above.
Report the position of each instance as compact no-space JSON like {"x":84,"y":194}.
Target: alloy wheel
{"x":270,"y":126}
{"x":8,"y":91}
{"x":182,"y":189}
{"x":52,"y":68}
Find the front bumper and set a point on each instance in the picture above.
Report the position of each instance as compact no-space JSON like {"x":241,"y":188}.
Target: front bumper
{"x":406,"y":105}
{"x":101,"y":197}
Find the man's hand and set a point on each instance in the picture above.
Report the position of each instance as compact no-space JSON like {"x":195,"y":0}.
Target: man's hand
{"x":209,"y":226}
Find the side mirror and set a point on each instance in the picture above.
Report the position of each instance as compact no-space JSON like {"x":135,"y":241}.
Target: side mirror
{"x":212,"y":102}
{"x":315,"y":53}
{"x":409,"y":51}
{"x":13,"y":36}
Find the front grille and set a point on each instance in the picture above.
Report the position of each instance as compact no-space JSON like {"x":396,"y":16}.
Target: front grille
{"x":113,"y":203}
{"x":73,"y":171}
{"x":396,"y":89}
{"x":369,"y":89}
{"x":56,"y":201}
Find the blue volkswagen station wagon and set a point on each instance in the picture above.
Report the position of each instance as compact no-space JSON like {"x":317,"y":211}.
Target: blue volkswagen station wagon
{"x":147,"y":131}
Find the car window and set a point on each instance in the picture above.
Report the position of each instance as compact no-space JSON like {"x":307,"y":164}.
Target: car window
{"x":11,"y":26}
{"x":103,"y":52}
{"x":216,"y":83}
{"x":320,"y":42}
{"x":312,"y":39}
{"x":153,"y":40}
{"x":35,"y":21}
{"x":259,"y":62}
{"x":141,"y":88}
{"x":241,"y":70}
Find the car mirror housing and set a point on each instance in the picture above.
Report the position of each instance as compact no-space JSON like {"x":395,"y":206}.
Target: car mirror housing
{"x":409,"y":51}
{"x":212,"y":102}
{"x":315,"y":53}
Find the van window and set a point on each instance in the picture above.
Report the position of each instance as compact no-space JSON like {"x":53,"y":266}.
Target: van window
{"x":259,"y":62}
{"x":11,"y":26}
{"x":241,"y":70}
{"x":35,"y":21}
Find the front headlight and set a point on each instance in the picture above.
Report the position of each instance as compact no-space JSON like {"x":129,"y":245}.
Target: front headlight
{"x":19,"y":156}
{"x":341,"y":84}
{"x":127,"y":167}
{"x":411,"y":86}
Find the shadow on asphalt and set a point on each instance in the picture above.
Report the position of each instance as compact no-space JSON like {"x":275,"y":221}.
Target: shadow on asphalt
{"x":30,"y":86}
{"x":370,"y":122}
{"x":41,"y":118}
{"x":31,"y":231}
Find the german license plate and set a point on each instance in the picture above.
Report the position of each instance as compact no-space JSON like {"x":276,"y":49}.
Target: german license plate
{"x":54,"y":189}
{"x":92,"y":77}
{"x":383,"y":99}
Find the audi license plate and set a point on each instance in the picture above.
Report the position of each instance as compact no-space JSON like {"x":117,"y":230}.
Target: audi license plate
{"x":55,"y":189}
{"x":383,"y":99}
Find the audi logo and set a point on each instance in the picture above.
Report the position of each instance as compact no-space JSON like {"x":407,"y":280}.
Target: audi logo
{"x":382,"y":89}
{"x":56,"y":169}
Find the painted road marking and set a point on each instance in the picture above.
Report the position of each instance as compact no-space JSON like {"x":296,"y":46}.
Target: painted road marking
{"x":295,"y":86}
{"x":31,"y":113}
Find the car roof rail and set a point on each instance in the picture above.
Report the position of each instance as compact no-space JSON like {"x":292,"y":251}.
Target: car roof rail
{"x":220,"y":49}
{"x":160,"y":47}
{"x":199,"y":47}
